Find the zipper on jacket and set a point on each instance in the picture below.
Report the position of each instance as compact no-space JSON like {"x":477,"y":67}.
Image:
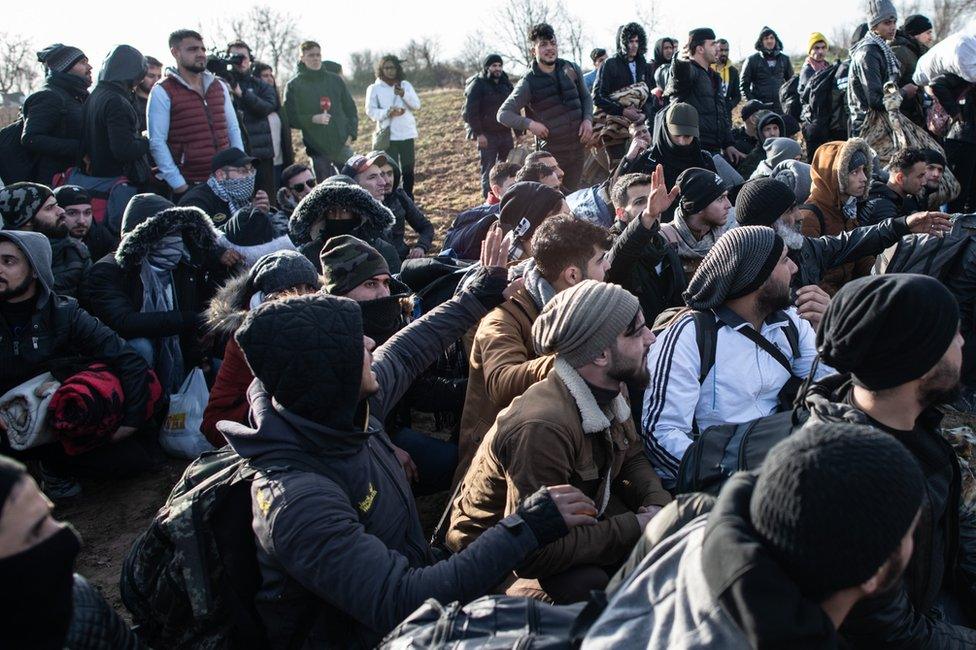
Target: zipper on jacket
{"x":206,"y":111}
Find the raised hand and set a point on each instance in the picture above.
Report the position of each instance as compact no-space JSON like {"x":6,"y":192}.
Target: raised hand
{"x":660,"y":199}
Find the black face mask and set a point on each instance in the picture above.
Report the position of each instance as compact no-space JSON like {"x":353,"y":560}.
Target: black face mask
{"x":383,"y":317}
{"x":335,"y":227}
{"x":36,"y":600}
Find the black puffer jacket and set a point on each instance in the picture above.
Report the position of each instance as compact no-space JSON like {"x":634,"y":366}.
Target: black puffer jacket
{"x":485,"y":97}
{"x":52,"y":124}
{"x":615,"y":74}
{"x":111,"y":138}
{"x":95,"y":625}
{"x":642,"y":262}
{"x":406,"y":211}
{"x":690,"y":83}
{"x":60,"y":330}
{"x":885,"y":203}
{"x":760,"y":80}
{"x":114,"y":287}
{"x":257,"y":101}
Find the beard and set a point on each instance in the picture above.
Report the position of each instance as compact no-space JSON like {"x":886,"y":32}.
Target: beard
{"x":942,"y":386}
{"x":773,"y":297}
{"x":9,"y":293}
{"x":723,"y":59}
{"x":790,"y":235}
{"x":52,"y":231}
{"x":623,"y":370}
{"x":196,"y":67}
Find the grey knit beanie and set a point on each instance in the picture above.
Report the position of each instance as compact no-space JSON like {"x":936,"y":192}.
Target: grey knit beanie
{"x":880,"y":11}
{"x":739,"y":263}
{"x":583,"y":321}
{"x":60,"y":58}
{"x":283,"y":270}
{"x":780,"y":149}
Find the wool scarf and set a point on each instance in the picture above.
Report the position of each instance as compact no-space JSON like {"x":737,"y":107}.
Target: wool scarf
{"x":894,"y":68}
{"x":157,"y":296}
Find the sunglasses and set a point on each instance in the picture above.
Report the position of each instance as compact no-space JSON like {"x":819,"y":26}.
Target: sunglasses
{"x":298,"y":187}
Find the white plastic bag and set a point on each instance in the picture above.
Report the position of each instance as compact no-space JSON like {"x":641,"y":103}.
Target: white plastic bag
{"x":181,"y":435}
{"x":955,"y":54}
{"x":23,"y":410}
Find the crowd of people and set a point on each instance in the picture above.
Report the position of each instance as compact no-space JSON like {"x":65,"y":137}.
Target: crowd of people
{"x":698,"y":368}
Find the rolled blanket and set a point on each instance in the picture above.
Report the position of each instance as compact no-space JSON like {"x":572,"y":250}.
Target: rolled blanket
{"x":23,"y":411}
{"x":615,"y":129}
{"x":87,"y":409}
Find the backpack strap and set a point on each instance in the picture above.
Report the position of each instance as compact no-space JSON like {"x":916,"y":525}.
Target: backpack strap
{"x":706,"y":336}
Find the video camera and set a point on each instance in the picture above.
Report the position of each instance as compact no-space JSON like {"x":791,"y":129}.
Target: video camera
{"x":225,"y":66}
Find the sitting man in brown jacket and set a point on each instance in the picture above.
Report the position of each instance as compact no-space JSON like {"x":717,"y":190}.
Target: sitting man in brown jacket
{"x":573,"y":427}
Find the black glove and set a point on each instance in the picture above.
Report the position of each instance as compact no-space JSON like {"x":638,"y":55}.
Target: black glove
{"x":488,"y":285}
{"x":540,"y":514}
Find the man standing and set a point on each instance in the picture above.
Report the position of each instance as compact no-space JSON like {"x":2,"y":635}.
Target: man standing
{"x":873,"y":64}
{"x":191,"y":116}
{"x":562,"y":111}
{"x":485,"y":97}
{"x":626,"y":68}
{"x":816,"y":60}
{"x":766,"y":70}
{"x":597,"y":56}
{"x":911,"y":42}
{"x":729,"y":76}
{"x":692,"y":81}
{"x":256,"y":100}
{"x":154,"y":72}
{"x":318,"y":102}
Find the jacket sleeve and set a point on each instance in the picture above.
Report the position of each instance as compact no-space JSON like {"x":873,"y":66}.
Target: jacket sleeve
{"x":835,"y":250}
{"x":745,"y":81}
{"x":869,"y":69}
{"x":637,"y":483}
{"x":259,"y":99}
{"x":811,"y":224}
{"x":627,"y":250}
{"x":510,"y":112}
{"x":891,"y":621}
{"x":808,"y":349}
{"x":374,"y":108}
{"x":421,"y":225}
{"x":95,"y":625}
{"x":399,"y":361}
{"x":536,"y":455}
{"x":314,"y":533}
{"x":472,"y":109}
{"x":679,"y":78}
{"x":230,"y":114}
{"x":601,"y":98}
{"x":410,"y":97}
{"x":671,"y":397}
{"x":296,"y":119}
{"x":93,"y":339}
{"x":111,"y":304}
{"x":122,"y":125}
{"x":507,"y":368}
{"x":735,"y":92}
{"x":585,"y":98}
{"x":228,"y":397}
{"x":787,"y":68}
{"x":806,"y":74}
{"x":352,"y":113}
{"x":157,"y":124}
{"x":43,"y":115}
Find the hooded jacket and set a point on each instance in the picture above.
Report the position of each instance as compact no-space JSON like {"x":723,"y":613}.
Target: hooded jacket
{"x":615,"y":73}
{"x":111,"y":137}
{"x":406,"y":211}
{"x":375,"y":221}
{"x":765,"y":71}
{"x":485,"y":96}
{"x":59,"y":330}
{"x":866,"y":79}
{"x":347,"y":553}
{"x":828,"y":174}
{"x":712,"y":584}
{"x":70,"y":262}
{"x":659,"y":60}
{"x":258,"y":100}
{"x":114,"y":286}
{"x":755,"y":158}
{"x":690,"y":83}
{"x":304,"y":97}
{"x":902,"y":617}
{"x":885,"y":203}
{"x":52,"y":124}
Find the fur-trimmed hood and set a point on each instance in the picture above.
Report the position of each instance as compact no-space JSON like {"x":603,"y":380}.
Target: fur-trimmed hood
{"x":375,"y":218}
{"x":828,"y":173}
{"x":197,"y":229}
{"x":230,"y":304}
{"x":628,"y":31}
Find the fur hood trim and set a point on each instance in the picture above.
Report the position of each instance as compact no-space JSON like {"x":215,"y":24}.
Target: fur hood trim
{"x":628,"y":31}
{"x":375,"y":218}
{"x":230,"y":304}
{"x":593,"y":418}
{"x":846,"y":153}
{"x":197,"y":229}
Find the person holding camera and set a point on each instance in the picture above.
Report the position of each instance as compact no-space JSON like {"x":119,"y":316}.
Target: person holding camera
{"x":184,"y":132}
{"x":390,"y":102}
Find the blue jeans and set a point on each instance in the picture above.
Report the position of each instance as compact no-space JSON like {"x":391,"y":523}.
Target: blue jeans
{"x":435,"y":460}
{"x":499,"y":146}
{"x":146,"y":349}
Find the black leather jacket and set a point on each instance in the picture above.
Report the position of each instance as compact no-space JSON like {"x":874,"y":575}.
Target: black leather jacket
{"x":866,"y":80}
{"x":692,"y":84}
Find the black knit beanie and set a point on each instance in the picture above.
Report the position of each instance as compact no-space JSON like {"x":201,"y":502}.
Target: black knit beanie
{"x":10,"y":474}
{"x":916,"y":24}
{"x":739,"y":263}
{"x":888,"y":330}
{"x":491,"y":59}
{"x":59,"y":57}
{"x":858,"y":159}
{"x":698,"y":188}
{"x":525,"y":205}
{"x":833,"y":502}
{"x":762,"y":201}
{"x":281,"y":271}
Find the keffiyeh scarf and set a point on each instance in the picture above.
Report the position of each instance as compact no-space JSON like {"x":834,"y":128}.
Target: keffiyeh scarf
{"x":236,"y":192}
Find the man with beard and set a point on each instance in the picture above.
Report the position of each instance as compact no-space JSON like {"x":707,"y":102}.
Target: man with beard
{"x":33,"y":207}
{"x":405,"y":210}
{"x":768,"y":202}
{"x":154,"y":72}
{"x":79,"y":219}
{"x":897,"y":370}
{"x":901,"y":194}
{"x":703,"y":215}
{"x":740,"y":297}
{"x":935,"y":164}
{"x":625,"y":68}
{"x":770,"y":565}
{"x":766,"y":70}
{"x":574,"y":427}
{"x":729,"y":76}
{"x":561,"y":108}
{"x":664,"y":50}
{"x":190,"y":116}
{"x":912,"y":40}
{"x":484,"y":98}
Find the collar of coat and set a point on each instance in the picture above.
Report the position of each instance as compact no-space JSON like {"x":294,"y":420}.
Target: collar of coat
{"x":593,"y":418}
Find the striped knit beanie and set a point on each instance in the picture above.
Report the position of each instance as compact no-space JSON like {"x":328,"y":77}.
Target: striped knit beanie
{"x":739,"y":263}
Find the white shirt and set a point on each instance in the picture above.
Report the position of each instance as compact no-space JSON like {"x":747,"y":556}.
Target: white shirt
{"x":380,"y":98}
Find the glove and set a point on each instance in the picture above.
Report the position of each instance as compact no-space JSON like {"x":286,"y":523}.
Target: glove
{"x":540,"y":514}
{"x":488,"y":286}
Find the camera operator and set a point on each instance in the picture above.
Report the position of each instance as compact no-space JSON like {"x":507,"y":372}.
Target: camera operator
{"x":255,"y":100}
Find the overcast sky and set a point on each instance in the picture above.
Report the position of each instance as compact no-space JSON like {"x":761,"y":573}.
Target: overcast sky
{"x":343,"y":26}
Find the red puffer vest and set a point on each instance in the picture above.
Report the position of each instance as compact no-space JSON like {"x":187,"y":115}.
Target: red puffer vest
{"x":197,"y":127}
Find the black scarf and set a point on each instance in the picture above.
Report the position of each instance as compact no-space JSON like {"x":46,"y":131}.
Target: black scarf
{"x":675,"y":158}
{"x":383,"y":317}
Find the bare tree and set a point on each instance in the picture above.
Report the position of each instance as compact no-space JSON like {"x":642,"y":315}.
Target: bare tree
{"x":949,"y":15}
{"x":272,"y":35}
{"x":420,"y":53}
{"x":569,"y":30}
{"x":476,"y":48}
{"x":649,"y":14}
{"x":18,"y":63}
{"x":516,"y":19}
{"x":363,"y":68}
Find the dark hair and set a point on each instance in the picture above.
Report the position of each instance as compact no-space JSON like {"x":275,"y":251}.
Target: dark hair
{"x":536,"y":156}
{"x":596,"y":53}
{"x":308,"y":45}
{"x":722,"y":41}
{"x":153,"y":62}
{"x":542,"y":32}
{"x":534,"y":172}
{"x":618,"y":194}
{"x":258,"y":67}
{"x":241,"y":44}
{"x":905,"y":159}
{"x":501,"y":172}
{"x":563,"y":240}
{"x":389,"y":58}
{"x":180,"y":35}
{"x":291,"y":171}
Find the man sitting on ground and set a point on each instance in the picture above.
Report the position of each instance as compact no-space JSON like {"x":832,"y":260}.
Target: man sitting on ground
{"x":296,"y":182}
{"x":573,"y":427}
{"x":79,"y":219}
{"x":900,"y":195}
{"x":465,"y":235}
{"x":405,"y":211}
{"x":538,"y":172}
{"x":703,"y":214}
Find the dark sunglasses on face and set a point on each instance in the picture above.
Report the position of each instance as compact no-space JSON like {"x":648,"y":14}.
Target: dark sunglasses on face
{"x":298,"y":187}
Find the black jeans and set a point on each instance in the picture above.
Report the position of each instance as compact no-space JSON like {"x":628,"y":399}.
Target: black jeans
{"x":497,"y":150}
{"x":403,"y":154}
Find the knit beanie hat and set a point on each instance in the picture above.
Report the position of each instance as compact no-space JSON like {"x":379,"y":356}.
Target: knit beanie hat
{"x":858,"y":159}
{"x":698,"y":188}
{"x":19,"y":202}
{"x":491,"y":59}
{"x":60,"y":58}
{"x":10,"y":474}
{"x":872,"y":328}
{"x":525,"y":205}
{"x":916,"y":24}
{"x":880,"y":11}
{"x":682,"y":119}
{"x":762,"y":201}
{"x":581,"y":322}
{"x":780,"y":149}
{"x":282,"y":270}
{"x":816,"y":37}
{"x":833,"y":502}
{"x":753,"y":106}
{"x":739,"y":263}
{"x":347,"y":262}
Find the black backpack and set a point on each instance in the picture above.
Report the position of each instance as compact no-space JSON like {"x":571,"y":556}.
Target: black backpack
{"x":824,"y":102}
{"x":789,"y":97}
{"x":17,"y":162}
